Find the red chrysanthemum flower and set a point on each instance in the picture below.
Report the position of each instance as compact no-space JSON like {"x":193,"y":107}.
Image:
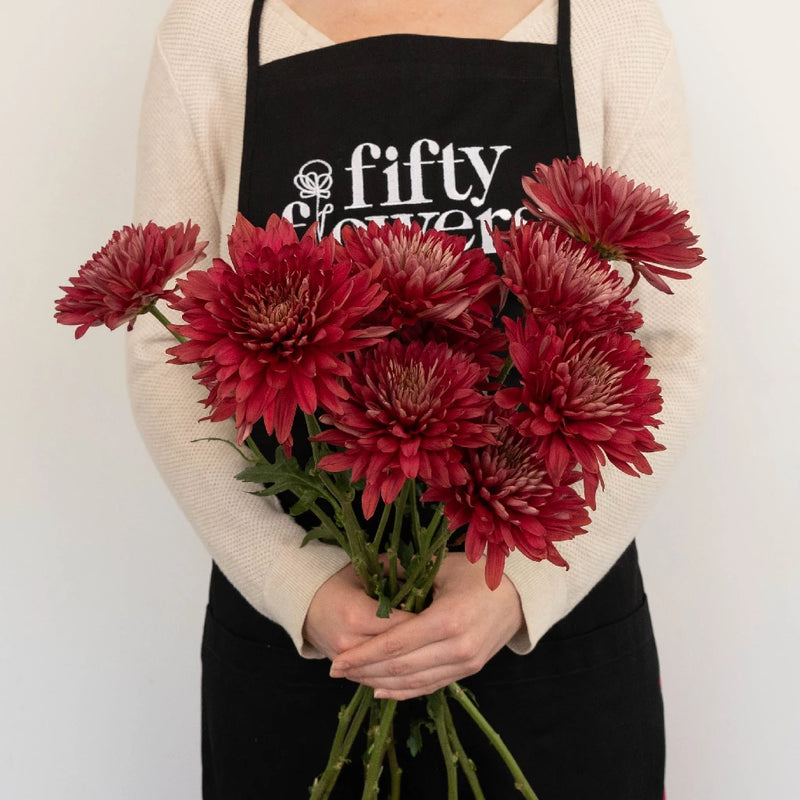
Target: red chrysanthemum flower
{"x":583,"y":400}
{"x":428,"y":276}
{"x":129,"y":274}
{"x":270,"y":331}
{"x":563,"y":281}
{"x":621,"y":220}
{"x":409,"y":407}
{"x":509,"y":501}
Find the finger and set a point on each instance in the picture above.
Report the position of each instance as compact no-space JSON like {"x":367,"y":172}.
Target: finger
{"x":422,"y":684}
{"x":415,"y":684}
{"x":411,"y":634}
{"x":406,"y":667}
{"x":392,"y":643}
{"x":408,"y":694}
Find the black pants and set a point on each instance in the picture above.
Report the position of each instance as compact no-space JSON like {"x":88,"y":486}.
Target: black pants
{"x":582,"y":713}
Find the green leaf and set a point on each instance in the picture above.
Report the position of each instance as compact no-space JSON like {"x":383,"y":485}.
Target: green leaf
{"x":320,"y":533}
{"x":405,"y":552}
{"x":246,"y":456}
{"x":286,"y":475}
{"x":414,"y":742}
{"x":305,"y":502}
{"x":470,"y":694}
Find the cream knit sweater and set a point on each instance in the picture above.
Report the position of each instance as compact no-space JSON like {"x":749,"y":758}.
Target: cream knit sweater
{"x":631,"y":117}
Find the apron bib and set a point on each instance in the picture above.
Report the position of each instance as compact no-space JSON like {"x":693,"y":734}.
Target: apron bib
{"x":436,"y":130}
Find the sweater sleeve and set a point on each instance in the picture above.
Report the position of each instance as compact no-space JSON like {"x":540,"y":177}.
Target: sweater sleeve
{"x":254,"y":543}
{"x":649,"y":144}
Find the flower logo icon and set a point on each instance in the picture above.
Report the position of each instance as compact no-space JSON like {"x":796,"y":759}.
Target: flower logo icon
{"x":314,"y":181}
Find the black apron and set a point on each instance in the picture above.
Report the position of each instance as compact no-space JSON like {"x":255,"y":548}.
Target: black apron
{"x":438,"y":130}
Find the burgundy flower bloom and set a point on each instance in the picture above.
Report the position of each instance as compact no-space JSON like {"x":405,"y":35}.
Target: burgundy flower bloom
{"x":269,"y":331}
{"x":621,"y":220}
{"x":428,"y":276}
{"x":582,"y":400}
{"x":127,"y":275}
{"x":409,"y":407}
{"x":563,"y":281}
{"x":509,"y":501}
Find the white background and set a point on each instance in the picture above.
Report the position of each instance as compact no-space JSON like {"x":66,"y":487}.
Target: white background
{"x":102,"y":582}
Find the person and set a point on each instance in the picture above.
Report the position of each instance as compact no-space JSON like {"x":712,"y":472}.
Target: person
{"x":427,"y":110}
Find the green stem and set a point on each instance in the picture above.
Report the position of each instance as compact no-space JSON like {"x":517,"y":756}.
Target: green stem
{"x":318,"y":450}
{"x":163,"y":320}
{"x":333,"y":491}
{"x":331,"y":527}
{"x":436,"y":703}
{"x":313,"y":429}
{"x":431,"y":562}
{"x":254,"y":450}
{"x":365,"y":563}
{"x":433,"y":525}
{"x":520,"y":781}
{"x":395,"y":771}
{"x":394,"y":544}
{"x":467,"y":764}
{"x":378,"y":751}
{"x":351,"y":719}
{"x":501,"y":378}
{"x":358,"y":720}
{"x":376,"y":542}
{"x":416,"y":527}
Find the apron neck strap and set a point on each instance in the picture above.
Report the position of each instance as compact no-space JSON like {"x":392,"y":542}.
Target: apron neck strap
{"x":253,"y":37}
{"x":567,"y":83}
{"x":563,"y":25}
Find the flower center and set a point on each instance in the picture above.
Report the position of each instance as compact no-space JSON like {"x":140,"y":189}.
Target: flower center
{"x":594,"y":383}
{"x":409,"y":253}
{"x":276,"y":317}
{"x":410,"y":392}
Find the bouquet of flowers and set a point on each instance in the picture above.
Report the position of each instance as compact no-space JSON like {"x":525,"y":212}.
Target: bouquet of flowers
{"x":432,"y":419}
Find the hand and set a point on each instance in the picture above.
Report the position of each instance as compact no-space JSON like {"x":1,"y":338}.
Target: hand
{"x":341,"y":615}
{"x":465,"y":625}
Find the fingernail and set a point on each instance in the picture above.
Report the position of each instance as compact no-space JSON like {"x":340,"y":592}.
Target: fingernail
{"x":380,"y":694}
